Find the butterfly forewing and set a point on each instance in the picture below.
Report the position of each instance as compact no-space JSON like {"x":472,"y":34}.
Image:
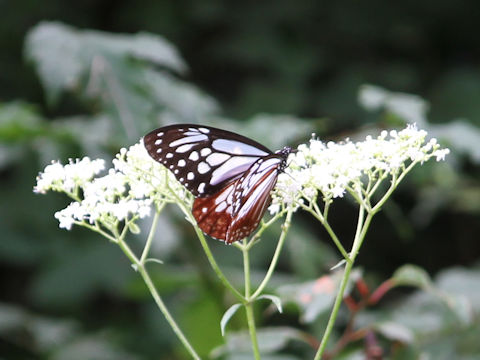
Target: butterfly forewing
{"x":202,"y":158}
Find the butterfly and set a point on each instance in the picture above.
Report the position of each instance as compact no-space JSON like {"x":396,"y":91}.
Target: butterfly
{"x":230,"y":175}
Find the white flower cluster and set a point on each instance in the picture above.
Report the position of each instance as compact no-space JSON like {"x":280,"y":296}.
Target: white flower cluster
{"x":128,"y":189}
{"x":335,"y":168}
{"x":67,"y":178}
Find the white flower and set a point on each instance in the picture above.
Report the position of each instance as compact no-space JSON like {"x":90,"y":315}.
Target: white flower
{"x":333,"y":169}
{"x":67,"y":216}
{"x":127,"y":191}
{"x":66,"y":178}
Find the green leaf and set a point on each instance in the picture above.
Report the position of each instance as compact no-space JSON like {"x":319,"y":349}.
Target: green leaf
{"x":461,"y":136}
{"x":412,"y":275}
{"x":63,"y":55}
{"x":80,"y":272}
{"x":407,"y":107}
{"x":134,"y":228}
{"x":227,"y":316}
{"x":153,"y":260}
{"x":461,"y":281}
{"x":274,"y":299}
{"x":59,"y":56}
{"x":356,"y":354}
{"x":462,"y":308}
{"x":199,"y":318}
{"x":145,"y":46}
{"x":19,"y":121}
{"x":315,"y":297}
{"x":178,"y":98}
{"x":44,"y":333}
{"x":270,"y":340}
{"x":395,"y":331}
{"x":92,"y":347}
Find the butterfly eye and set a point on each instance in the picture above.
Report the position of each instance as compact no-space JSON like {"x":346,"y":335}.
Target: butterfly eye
{"x":231,"y":176}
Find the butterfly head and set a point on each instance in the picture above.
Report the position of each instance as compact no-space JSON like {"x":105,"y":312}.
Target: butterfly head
{"x":284,"y":155}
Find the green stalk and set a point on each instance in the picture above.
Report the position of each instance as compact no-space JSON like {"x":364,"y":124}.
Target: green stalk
{"x":156,"y":296}
{"x":276,"y":255}
{"x":166,"y":313}
{"x":215,"y":266}
{"x":362,"y":227}
{"x":326,"y":225}
{"x":249,"y":305}
{"x":208,"y":253}
{"x":336,"y":307}
{"x":148,"y":244}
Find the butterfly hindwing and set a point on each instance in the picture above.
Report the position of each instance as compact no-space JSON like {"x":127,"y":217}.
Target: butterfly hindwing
{"x":241,"y":204}
{"x":214,"y":213}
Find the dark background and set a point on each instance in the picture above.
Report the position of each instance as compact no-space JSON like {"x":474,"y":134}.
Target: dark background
{"x":305,"y":58}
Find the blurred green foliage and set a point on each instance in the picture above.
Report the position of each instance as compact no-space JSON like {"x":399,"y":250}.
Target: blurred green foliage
{"x":69,"y":92}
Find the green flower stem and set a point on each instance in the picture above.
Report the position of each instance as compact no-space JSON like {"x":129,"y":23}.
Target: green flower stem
{"x":249,"y":305}
{"x":276,"y":255}
{"x":330,"y":231}
{"x":395,"y":181}
{"x":362,"y":227}
{"x":252,"y":330}
{"x":336,"y":307}
{"x":158,"y":300}
{"x":166,"y":313}
{"x":361,"y":231}
{"x":206,"y":248}
{"x":263,"y":227}
{"x":215,"y":266}
{"x":98,"y":230}
{"x":148,"y":244}
{"x":380,"y":179}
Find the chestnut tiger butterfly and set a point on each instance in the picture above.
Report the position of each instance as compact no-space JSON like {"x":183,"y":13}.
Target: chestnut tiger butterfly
{"x":230,"y":175}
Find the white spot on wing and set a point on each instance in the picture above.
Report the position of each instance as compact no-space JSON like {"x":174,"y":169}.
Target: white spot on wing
{"x":217,"y":158}
{"x":184,"y":148}
{"x":158,"y":141}
{"x":221,"y":197}
{"x":237,"y":147}
{"x":203,"y":168}
{"x":188,"y":140}
{"x":160,"y":134}
{"x":205,"y":151}
{"x":220,"y":207}
{"x":201,"y":187}
{"x":181,"y":163}
{"x":193,"y":156}
{"x":169,"y":156}
{"x":204,"y":130}
{"x":190,"y":176}
{"x":234,"y":165}
{"x":159,"y":150}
